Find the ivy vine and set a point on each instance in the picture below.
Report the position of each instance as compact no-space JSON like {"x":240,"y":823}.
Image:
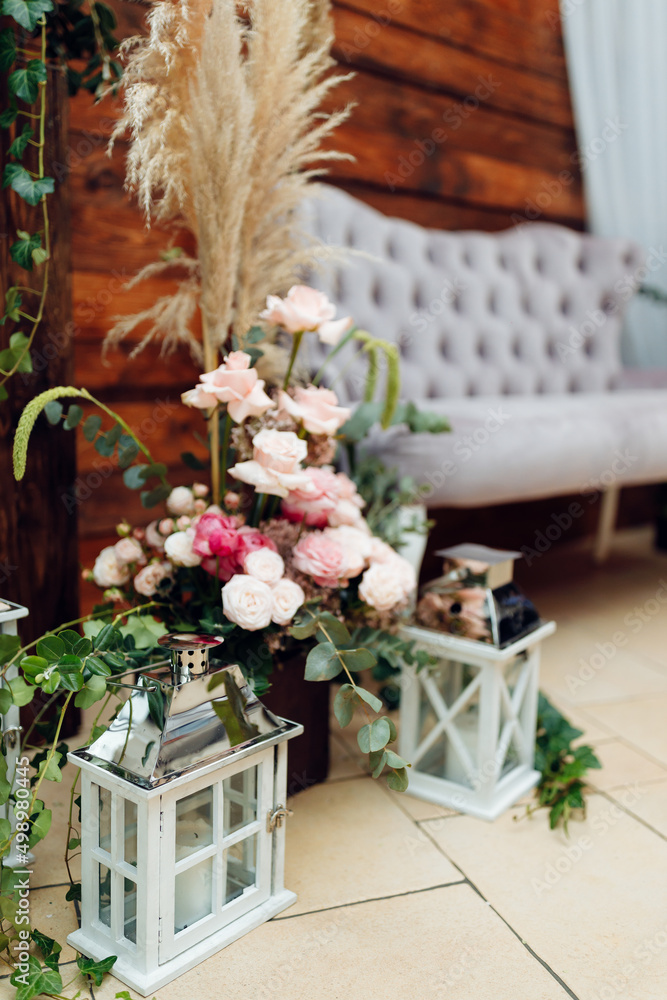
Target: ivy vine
{"x":42,"y":32}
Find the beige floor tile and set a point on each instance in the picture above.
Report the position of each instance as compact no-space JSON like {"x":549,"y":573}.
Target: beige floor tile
{"x":347,"y":841}
{"x":651,"y":807}
{"x":642,"y":723}
{"x":582,"y":667}
{"x":417,"y":809}
{"x":622,"y":766}
{"x":590,"y":906}
{"x":49,"y":866}
{"x":446,"y":942}
{"x":592,"y":731}
{"x":51,"y":914}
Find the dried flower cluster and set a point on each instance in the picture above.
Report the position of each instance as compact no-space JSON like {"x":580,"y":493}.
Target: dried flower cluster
{"x":223,"y":115}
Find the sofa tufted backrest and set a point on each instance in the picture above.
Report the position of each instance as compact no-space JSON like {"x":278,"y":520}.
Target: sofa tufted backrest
{"x":536,"y":309}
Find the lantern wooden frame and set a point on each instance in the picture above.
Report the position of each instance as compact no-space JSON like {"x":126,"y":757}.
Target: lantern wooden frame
{"x":480,"y":782}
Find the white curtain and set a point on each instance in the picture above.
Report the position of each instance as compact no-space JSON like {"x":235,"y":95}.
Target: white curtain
{"x":617,"y":63}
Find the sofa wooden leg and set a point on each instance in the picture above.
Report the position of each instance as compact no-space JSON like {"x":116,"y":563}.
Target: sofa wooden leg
{"x":606,"y":523}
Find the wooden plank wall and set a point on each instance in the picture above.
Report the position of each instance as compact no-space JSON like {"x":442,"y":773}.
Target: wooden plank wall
{"x":463,"y":120}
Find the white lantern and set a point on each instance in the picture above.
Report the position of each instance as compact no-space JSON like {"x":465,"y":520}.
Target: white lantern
{"x":11,"y":730}
{"x":468,"y":724}
{"x":182,"y":802}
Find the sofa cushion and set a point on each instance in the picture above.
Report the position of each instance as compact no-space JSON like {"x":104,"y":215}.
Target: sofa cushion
{"x":536,"y":309}
{"x":505,"y":448}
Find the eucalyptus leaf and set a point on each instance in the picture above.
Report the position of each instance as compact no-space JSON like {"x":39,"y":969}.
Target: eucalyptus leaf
{"x":398,"y":780}
{"x":322,"y":663}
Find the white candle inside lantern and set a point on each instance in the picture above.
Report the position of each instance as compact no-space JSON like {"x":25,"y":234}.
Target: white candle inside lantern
{"x":193,"y":886}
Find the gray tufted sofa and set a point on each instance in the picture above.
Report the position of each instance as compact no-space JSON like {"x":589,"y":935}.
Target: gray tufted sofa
{"x":515,"y":337}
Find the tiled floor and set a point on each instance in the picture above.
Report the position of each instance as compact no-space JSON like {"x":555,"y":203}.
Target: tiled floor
{"x":401,"y":898}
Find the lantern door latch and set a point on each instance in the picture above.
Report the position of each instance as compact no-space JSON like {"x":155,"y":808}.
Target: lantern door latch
{"x":275,"y":817}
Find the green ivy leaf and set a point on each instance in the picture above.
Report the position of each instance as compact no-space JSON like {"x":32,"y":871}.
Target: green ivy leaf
{"x":5,"y":702}
{"x":24,"y":82}
{"x":40,"y":827}
{"x":13,"y":302}
{"x":74,"y":892}
{"x":36,"y":980}
{"x":31,"y":189}
{"x":322,"y":663}
{"x":21,"y":252}
{"x":26,"y":12}
{"x":50,"y":769}
{"x":7,"y":49}
{"x":91,"y":427}
{"x":49,"y":948}
{"x":17,"y":354}
{"x":97,"y":970}
{"x":20,"y":143}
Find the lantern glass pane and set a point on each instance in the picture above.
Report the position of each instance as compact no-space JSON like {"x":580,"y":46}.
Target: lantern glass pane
{"x":104,"y":814}
{"x":104,"y":895}
{"x":194,"y":823}
{"x":130,"y":911}
{"x":241,"y":864}
{"x":193,"y":895}
{"x":130,"y":844}
{"x":453,"y":752}
{"x":240,"y":800}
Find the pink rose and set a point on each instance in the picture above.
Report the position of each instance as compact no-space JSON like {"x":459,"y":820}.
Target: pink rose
{"x":128,"y":550}
{"x":316,"y":409}
{"x":147,"y":580}
{"x":305,"y":309}
{"x":234,"y":383}
{"x":322,"y":558}
{"x":317,"y":502}
{"x":331,"y":499}
{"x":275,"y":467}
{"x":216,"y":535}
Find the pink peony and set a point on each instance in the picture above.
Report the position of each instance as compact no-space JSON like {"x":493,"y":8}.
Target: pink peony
{"x":216,"y":535}
{"x":234,"y":383}
{"x":303,"y":310}
{"x":322,"y":558}
{"x":248,"y":540}
{"x":316,"y":409}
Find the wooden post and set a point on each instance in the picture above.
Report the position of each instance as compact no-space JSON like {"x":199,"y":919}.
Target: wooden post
{"x":38,"y":535}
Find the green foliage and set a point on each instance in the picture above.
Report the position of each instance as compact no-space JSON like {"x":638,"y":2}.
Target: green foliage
{"x":40,"y":979}
{"x":26,"y":13}
{"x":563,"y":766}
{"x":25,"y":251}
{"x":24,"y":84}
{"x":20,"y":143}
{"x":13,"y":302}
{"x":96,"y":970}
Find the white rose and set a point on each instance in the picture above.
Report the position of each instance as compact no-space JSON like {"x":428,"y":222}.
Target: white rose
{"x":247,"y":602}
{"x":405,"y":572}
{"x":108,"y":570}
{"x":181,"y":501}
{"x":153,"y":536}
{"x":128,"y":550}
{"x":179,"y":548}
{"x":148,"y":579}
{"x":381,"y":587}
{"x":287,"y":599}
{"x":381,"y":552}
{"x":346,"y":512}
{"x":265,"y":565}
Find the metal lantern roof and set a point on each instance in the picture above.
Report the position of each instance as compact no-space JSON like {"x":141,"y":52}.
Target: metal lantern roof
{"x":185,"y":716}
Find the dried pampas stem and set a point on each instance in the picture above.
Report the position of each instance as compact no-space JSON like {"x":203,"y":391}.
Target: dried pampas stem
{"x":224,"y":117}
